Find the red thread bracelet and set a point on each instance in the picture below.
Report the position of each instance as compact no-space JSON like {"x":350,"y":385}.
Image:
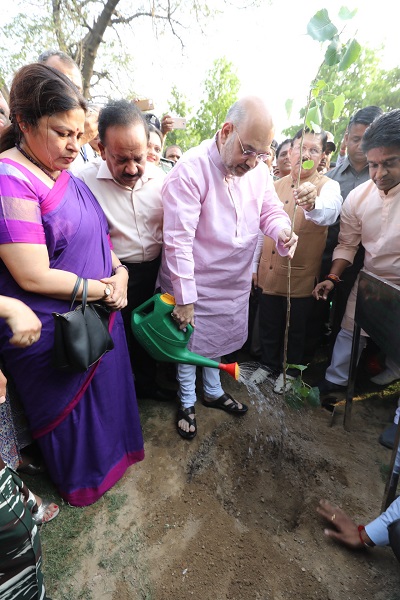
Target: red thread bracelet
{"x":361,"y":528}
{"x":333,"y":279}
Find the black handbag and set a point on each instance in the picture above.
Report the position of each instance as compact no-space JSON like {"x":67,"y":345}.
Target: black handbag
{"x":81,"y":335}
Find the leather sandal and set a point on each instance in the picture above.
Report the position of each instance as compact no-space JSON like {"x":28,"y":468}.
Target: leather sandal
{"x":183,"y":413}
{"x":232,"y":406}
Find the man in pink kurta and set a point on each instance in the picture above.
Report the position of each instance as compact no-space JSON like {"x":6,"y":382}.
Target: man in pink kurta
{"x":215,"y":201}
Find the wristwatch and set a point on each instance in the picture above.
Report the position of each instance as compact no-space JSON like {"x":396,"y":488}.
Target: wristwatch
{"x":107,"y":291}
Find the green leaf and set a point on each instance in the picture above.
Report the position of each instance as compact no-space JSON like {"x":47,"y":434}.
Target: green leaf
{"x":320,"y":27}
{"x":313,"y":397}
{"x":293,"y":401}
{"x":333,"y":53}
{"x":304,"y":391}
{"x":288,"y":107}
{"x":352,"y":52}
{"x":320,"y":84}
{"x":329,"y":111}
{"x":307,"y":165}
{"x":318,"y":87}
{"x":313,"y":119}
{"x":345,"y":14}
{"x":300,"y":368}
{"x":339,"y":104}
{"x":328,"y":97}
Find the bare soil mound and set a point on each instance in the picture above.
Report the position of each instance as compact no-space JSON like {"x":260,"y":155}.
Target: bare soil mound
{"x":231,"y":514}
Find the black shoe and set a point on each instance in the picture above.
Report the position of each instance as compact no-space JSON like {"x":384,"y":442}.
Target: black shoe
{"x":388,"y":436}
{"x":158,"y":393}
{"x":326,"y":387}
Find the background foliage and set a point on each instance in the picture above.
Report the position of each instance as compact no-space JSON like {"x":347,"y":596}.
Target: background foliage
{"x":363,"y":83}
{"x":220,"y":91}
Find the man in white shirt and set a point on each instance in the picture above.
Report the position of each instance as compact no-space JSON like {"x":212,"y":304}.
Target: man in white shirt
{"x":129,"y":191}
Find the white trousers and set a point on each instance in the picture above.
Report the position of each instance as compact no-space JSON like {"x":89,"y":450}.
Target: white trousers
{"x":338,"y":370}
{"x":186,"y":375}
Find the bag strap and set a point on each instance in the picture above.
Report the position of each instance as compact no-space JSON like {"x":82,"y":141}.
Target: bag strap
{"x":75,"y":291}
{"x":84,"y":293}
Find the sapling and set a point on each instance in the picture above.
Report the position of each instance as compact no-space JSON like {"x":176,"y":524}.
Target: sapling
{"x":320,"y":102}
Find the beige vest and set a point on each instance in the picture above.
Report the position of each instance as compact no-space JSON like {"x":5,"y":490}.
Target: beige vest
{"x":306,"y":264}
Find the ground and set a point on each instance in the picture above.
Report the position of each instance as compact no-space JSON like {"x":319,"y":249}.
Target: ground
{"x":231,"y":515}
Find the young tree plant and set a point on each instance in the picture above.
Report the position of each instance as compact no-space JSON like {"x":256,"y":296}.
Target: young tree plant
{"x":320,"y":102}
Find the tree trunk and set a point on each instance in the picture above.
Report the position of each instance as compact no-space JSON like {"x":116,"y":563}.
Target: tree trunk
{"x":92,"y":42}
{"x":5,"y":92}
{"x":56,"y":4}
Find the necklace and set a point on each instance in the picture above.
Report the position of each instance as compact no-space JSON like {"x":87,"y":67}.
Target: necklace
{"x":35,"y":162}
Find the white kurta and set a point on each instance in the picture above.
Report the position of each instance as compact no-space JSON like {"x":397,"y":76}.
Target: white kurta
{"x":211,"y":224}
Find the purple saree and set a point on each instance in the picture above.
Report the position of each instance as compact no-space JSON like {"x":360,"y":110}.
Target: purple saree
{"x":87,"y":425}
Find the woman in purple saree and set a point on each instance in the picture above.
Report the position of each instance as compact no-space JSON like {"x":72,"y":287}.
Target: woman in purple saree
{"x":51,"y":230}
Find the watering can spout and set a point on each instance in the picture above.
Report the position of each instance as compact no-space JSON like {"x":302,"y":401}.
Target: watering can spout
{"x":153,"y":326}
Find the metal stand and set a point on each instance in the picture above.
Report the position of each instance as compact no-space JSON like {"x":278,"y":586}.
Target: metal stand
{"x":378,"y":314}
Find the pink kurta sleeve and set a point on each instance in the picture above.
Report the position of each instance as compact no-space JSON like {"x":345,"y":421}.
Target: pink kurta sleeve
{"x":182,"y":207}
{"x":273,"y":218}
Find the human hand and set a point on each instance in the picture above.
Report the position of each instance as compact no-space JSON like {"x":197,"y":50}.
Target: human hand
{"x":167,"y":124}
{"x":346,"y":531}
{"x":118,"y":283}
{"x":289,"y":241}
{"x":24,"y":324}
{"x":183,"y":314}
{"x":305,"y":195}
{"x":321,"y":290}
{"x":3,"y":384}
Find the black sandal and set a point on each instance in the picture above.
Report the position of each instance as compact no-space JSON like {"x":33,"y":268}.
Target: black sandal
{"x":232,"y":407}
{"x":183,"y":413}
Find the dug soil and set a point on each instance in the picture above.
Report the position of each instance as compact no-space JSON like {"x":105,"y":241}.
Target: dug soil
{"x":231,"y":515}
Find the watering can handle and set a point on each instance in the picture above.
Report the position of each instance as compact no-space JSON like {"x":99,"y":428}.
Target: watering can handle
{"x":188,"y":329}
{"x":169,"y":299}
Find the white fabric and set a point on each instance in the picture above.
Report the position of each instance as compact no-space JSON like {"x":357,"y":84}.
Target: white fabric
{"x":377,"y":529}
{"x":79,"y":163}
{"x":135,"y":217}
{"x":338,"y":370}
{"x":326,"y":211}
{"x":186,"y":375}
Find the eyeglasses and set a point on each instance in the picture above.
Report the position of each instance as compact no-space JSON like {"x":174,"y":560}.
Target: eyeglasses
{"x":313,"y":151}
{"x":251,"y":153}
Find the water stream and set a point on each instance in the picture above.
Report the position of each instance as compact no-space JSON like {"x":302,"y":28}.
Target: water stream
{"x":268,"y":406}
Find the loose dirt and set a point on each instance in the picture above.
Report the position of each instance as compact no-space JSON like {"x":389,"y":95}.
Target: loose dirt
{"x":231,"y":515}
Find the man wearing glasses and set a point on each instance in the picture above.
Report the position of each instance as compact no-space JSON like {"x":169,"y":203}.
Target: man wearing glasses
{"x":320,"y":208}
{"x":216,"y":199}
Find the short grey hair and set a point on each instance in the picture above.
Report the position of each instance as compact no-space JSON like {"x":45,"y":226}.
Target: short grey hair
{"x":65,"y":58}
{"x":236,"y":114}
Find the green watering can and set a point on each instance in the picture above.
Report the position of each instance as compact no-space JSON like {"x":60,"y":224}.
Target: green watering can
{"x":155,"y":329}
